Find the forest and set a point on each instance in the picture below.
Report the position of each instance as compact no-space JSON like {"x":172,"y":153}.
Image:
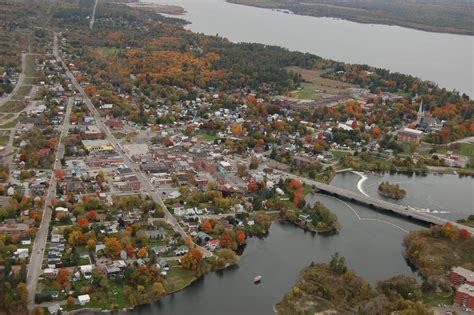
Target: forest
{"x":446,"y":16}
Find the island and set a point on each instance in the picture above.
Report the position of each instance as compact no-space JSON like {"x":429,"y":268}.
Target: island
{"x":333,"y":288}
{"x":391,"y":190}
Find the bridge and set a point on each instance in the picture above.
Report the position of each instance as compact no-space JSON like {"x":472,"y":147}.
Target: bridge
{"x":408,"y":212}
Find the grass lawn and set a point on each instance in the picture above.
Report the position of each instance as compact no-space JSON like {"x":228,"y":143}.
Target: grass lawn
{"x":437,"y":299}
{"x":177,"y":278}
{"x":206,"y":136}
{"x":14,"y":106}
{"x":30,"y":69}
{"x":9,"y":125}
{"x":118,"y":135}
{"x":108,"y":51}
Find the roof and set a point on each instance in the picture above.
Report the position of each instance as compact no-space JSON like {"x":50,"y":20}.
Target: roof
{"x":412,"y":131}
{"x":84,"y":298}
{"x":94,"y":143}
{"x":466,"y":273}
{"x":466,"y":289}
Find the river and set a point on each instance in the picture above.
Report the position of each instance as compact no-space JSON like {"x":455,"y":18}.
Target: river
{"x":446,"y":59}
{"x":370,"y":241}
{"x":445,"y":195}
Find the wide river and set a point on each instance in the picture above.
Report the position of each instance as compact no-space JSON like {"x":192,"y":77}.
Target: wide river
{"x":370,"y":241}
{"x":446,"y":59}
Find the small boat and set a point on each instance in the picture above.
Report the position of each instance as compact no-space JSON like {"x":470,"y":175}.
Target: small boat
{"x":257,"y":279}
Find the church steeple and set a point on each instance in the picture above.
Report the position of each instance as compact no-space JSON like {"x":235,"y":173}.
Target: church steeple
{"x":421,"y":113}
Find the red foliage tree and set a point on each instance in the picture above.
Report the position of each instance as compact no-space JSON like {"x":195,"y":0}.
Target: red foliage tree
{"x":226,"y":241}
{"x":241,"y":237}
{"x":464,"y":234}
{"x":82,"y":222}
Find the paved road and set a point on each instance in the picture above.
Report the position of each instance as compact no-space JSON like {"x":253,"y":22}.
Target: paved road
{"x":91,"y":24}
{"x":145,"y":183}
{"x":21,"y":78}
{"x":36,"y":259}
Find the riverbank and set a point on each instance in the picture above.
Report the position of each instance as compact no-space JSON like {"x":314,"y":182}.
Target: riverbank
{"x":158,"y":8}
{"x":400,"y":14}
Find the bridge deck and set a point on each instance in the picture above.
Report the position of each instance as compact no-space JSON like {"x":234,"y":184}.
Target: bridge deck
{"x":409,"y":212}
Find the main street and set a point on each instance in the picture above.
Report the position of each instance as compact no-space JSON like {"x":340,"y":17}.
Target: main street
{"x":146,"y":185}
{"x":36,"y":259}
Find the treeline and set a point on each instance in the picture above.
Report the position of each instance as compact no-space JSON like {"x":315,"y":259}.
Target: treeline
{"x":253,"y":65}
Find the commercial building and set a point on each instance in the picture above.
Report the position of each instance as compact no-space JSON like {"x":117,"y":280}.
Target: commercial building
{"x":409,"y":135}
{"x":97,"y":145}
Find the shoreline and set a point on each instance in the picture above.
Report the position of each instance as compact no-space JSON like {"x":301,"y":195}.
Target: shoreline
{"x":435,"y":29}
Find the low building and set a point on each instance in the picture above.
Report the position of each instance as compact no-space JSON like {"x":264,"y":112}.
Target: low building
{"x":409,"y":135}
{"x":465,"y":296}
{"x":92,"y":133}
{"x":84,"y":299}
{"x":114,"y":123}
{"x":14,"y":229}
{"x":460,"y":275}
{"x":97,"y":145}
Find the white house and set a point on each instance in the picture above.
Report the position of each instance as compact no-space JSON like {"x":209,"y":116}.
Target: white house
{"x":84,"y":299}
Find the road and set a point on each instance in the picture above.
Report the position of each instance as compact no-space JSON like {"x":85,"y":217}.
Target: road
{"x":91,"y":24}
{"x":19,"y":84}
{"x":145,"y":184}
{"x":36,"y":259}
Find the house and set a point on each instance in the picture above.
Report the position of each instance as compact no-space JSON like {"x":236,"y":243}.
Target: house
{"x":465,"y":296}
{"x":409,"y":135}
{"x":203,"y":237}
{"x":183,"y":249}
{"x":161,"y":263}
{"x":160,"y":249}
{"x":84,"y":299}
{"x":459,"y":276}
{"x":50,"y":273}
{"x":214,"y":244}
{"x":22,"y":253}
{"x":26,"y":240}
{"x":86,"y":271}
{"x":14,"y":228}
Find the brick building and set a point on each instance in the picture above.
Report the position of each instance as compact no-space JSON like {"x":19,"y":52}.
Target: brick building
{"x":459,"y":276}
{"x":465,"y":296}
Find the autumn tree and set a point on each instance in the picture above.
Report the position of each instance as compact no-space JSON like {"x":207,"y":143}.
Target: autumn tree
{"x":112,"y":246}
{"x":62,"y":278}
{"x":91,"y":245}
{"x":192,"y":259}
{"x":206,"y":226}
{"x":240,"y":237}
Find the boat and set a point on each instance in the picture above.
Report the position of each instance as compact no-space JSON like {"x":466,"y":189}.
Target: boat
{"x":257,"y":279}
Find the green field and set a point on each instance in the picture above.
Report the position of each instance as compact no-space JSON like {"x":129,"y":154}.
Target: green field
{"x":434,"y":299}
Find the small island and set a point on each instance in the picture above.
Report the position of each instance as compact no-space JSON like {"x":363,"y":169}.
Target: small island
{"x":318,"y":218}
{"x":391,"y":190}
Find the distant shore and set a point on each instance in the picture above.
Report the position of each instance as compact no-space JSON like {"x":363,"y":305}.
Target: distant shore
{"x":158,"y":8}
{"x":358,"y":15}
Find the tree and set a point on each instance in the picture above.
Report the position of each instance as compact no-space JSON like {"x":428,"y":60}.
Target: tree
{"x":206,"y":226}
{"x":192,"y":259}
{"x":142,"y":252}
{"x":91,"y":245}
{"x":130,"y":250}
{"x":226,"y":241}
{"x":338,"y":264}
{"x":62,"y":278}
{"x":92,"y":215}
{"x":75,"y":238}
{"x":464,"y":234}
{"x":252,"y":186}
{"x":70,"y":301}
{"x":157,"y":291}
{"x":82,"y":222}
{"x":112,"y":246}
{"x":22,"y":292}
{"x":241,"y":237}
